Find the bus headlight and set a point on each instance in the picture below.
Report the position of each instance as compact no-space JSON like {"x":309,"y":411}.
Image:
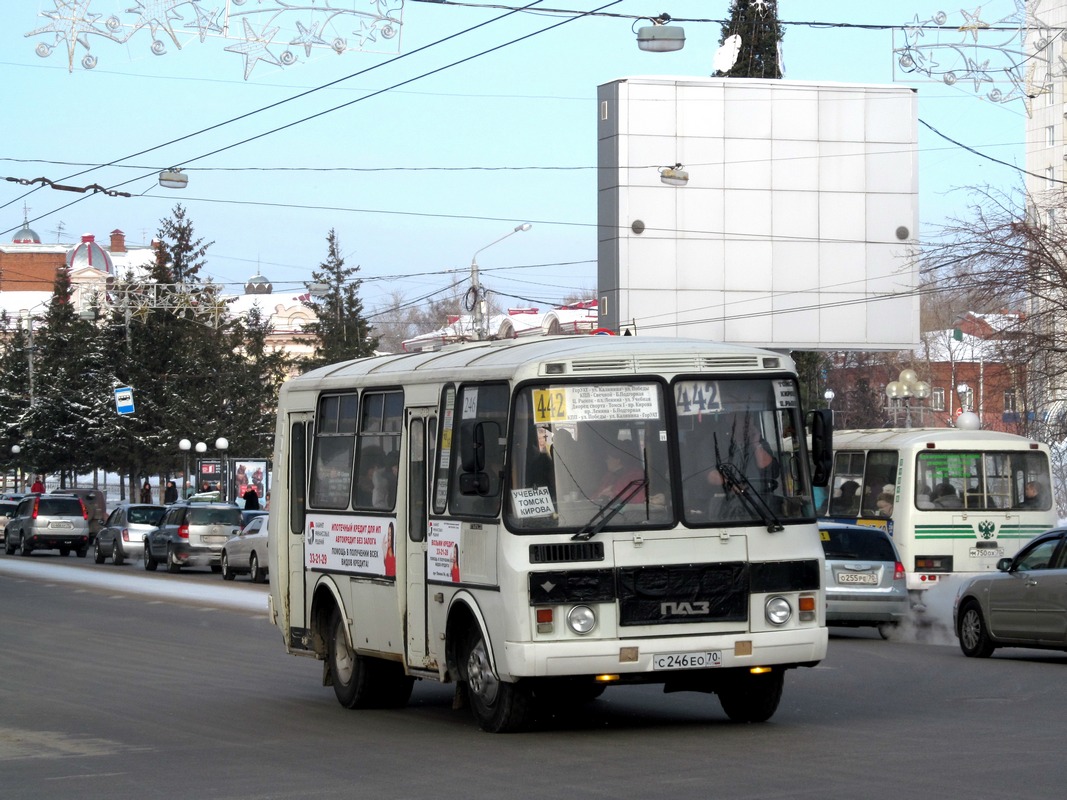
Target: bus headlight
{"x":581,"y":619}
{"x":777,"y":610}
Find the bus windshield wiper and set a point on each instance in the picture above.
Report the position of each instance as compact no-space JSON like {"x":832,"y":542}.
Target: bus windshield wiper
{"x":608,"y":511}
{"x":733,"y":480}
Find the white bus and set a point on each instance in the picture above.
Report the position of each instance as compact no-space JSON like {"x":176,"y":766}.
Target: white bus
{"x":535,"y":520}
{"x":959,"y":498}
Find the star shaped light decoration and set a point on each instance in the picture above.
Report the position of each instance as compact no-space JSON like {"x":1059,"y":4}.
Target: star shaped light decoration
{"x":1009,"y":54}
{"x":254,"y":47}
{"x":313,"y":25}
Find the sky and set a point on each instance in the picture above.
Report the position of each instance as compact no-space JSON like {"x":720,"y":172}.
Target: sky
{"x":428,"y":145}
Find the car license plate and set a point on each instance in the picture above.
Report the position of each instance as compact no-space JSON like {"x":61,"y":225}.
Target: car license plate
{"x":701,"y":660}
{"x":60,"y":524}
{"x":856,"y":577}
{"x":981,"y":552}
{"x":215,"y":540}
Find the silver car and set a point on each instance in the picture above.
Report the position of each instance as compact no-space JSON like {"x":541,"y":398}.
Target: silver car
{"x":7,"y":511}
{"x":246,"y":553}
{"x":191,"y":535}
{"x":48,"y":522}
{"x":865,"y":581}
{"x":1022,"y":605}
{"x":122,"y":536}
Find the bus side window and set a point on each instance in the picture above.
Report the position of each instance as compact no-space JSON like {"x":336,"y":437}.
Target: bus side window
{"x":478,"y":449}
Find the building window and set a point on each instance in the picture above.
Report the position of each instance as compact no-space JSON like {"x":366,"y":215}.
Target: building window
{"x":937,"y":399}
{"x":966,"y":398}
{"x":1010,"y":402}
{"x":1050,"y":178}
{"x":1050,"y":136}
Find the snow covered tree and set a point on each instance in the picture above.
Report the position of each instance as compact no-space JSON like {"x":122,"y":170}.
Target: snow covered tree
{"x":341,"y":331}
{"x":755,"y":22}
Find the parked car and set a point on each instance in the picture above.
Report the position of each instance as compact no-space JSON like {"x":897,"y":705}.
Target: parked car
{"x":122,"y":535}
{"x":246,"y":553}
{"x":865,"y":581}
{"x":247,"y":515}
{"x":95,"y":502}
{"x":1022,"y":605}
{"x":7,"y":511}
{"x":191,"y":534}
{"x":48,"y":522}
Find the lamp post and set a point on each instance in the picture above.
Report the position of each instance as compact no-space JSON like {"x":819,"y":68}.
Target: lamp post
{"x":829,"y":396}
{"x":185,"y":445}
{"x":905,"y":387}
{"x":475,"y":299}
{"x":221,"y":444}
{"x":15,"y":450}
{"x":200,"y":448}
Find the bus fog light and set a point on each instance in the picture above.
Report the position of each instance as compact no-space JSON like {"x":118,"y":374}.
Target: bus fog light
{"x":777,"y":610}
{"x":581,"y":619}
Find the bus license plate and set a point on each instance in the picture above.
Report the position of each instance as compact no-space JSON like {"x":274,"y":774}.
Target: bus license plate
{"x":704,"y":660}
{"x":981,"y":552}
{"x":856,"y":577}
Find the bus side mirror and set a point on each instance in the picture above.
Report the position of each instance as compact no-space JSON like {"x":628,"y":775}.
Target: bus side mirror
{"x":822,"y":445}
{"x":481,"y":457}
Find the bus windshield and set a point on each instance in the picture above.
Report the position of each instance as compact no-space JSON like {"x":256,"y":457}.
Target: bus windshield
{"x":603,"y":456}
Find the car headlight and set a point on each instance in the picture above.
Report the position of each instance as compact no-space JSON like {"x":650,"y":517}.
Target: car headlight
{"x":777,"y":610}
{"x":581,"y":619}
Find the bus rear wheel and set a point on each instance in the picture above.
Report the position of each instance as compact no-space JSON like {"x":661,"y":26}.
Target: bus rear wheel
{"x":361,"y":682}
{"x":752,"y":698}
{"x":498,"y":706}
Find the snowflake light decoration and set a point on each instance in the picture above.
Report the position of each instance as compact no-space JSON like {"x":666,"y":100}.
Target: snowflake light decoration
{"x":268,"y":31}
{"x":1008,"y":59}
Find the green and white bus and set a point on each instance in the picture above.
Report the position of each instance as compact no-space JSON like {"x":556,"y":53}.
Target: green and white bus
{"x":536,"y":520}
{"x":960,"y":498}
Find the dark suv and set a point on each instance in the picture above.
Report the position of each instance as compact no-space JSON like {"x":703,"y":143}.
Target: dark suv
{"x":49,"y":522}
{"x":191,"y":534}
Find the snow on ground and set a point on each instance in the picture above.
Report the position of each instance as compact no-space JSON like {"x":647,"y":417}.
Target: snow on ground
{"x":241,"y":597}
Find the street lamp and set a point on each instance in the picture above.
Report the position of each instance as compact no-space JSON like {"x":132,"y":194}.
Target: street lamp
{"x":185,"y":445}
{"x":905,"y":387}
{"x":15,"y":450}
{"x":221,"y":445}
{"x":475,"y":298}
{"x":829,"y":396}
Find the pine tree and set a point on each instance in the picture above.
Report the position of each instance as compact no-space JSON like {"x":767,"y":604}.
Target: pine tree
{"x":756,"y":23}
{"x":341,"y":331}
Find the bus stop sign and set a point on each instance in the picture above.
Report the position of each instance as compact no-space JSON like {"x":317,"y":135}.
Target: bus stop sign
{"x":124,"y":399}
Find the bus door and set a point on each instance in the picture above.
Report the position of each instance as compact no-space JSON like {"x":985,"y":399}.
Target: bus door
{"x":422,"y":440}
{"x":295,"y":503}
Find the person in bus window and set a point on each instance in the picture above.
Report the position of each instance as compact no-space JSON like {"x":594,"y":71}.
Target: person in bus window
{"x":1032,"y":496}
{"x":846,"y":503}
{"x":621,"y":468}
{"x":884,"y":504}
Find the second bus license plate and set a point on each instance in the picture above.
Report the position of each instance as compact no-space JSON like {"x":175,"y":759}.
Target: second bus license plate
{"x":700,"y":660}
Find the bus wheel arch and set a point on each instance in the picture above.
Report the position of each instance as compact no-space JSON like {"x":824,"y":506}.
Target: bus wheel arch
{"x":498,"y":706}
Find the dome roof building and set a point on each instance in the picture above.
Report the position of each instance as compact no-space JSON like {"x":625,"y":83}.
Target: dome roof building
{"x":89,"y":254}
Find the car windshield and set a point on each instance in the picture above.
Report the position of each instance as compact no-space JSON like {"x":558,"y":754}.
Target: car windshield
{"x":857,"y":545}
{"x":145,"y":515}
{"x":214,"y":516}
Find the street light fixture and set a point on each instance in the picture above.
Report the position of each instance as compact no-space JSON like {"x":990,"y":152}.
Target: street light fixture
{"x":15,"y":450}
{"x":185,"y":446}
{"x":906,"y":386}
{"x":829,"y":396}
{"x":659,"y":37}
{"x":222,"y":445}
{"x":475,"y":298}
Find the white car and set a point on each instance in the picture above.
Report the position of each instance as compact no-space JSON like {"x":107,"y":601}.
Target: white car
{"x":245,"y":553}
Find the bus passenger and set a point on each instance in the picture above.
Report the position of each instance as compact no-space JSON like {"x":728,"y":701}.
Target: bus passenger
{"x":622,"y":467}
{"x":1032,"y":496}
{"x":884,"y":504}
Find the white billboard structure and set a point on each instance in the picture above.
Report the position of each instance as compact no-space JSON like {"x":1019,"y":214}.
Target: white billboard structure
{"x":767,"y":212}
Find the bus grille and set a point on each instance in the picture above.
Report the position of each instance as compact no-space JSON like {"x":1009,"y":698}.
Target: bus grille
{"x":683,"y":593}
{"x":569,"y":551}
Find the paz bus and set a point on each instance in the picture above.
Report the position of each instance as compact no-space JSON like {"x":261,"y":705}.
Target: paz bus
{"x":961,"y":499}
{"x":536,"y":520}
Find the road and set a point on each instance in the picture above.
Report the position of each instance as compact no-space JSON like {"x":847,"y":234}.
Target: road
{"x":118,"y":684}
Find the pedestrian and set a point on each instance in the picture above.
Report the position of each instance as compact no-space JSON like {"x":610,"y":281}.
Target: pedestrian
{"x":171,"y":494}
{"x":146,"y":492}
{"x":251,"y":499}
{"x":38,"y":485}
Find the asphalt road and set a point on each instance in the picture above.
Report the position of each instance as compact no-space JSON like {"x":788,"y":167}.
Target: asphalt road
{"x":118,"y":684}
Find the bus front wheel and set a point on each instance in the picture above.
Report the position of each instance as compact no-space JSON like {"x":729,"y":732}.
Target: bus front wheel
{"x":361,"y":682}
{"x":498,"y":706}
{"x":752,"y":698}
